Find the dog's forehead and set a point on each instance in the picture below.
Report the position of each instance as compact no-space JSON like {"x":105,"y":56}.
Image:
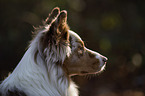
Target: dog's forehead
{"x":74,"y":36}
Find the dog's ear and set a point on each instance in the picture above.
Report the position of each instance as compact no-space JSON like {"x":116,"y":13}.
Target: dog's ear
{"x":62,"y":25}
{"x":52,"y":16}
{"x":59,"y":28}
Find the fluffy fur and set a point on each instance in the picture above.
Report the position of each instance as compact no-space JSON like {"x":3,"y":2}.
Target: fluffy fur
{"x":53,"y":56}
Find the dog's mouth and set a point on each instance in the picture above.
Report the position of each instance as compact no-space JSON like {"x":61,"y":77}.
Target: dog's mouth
{"x":101,"y":69}
{"x":84,"y":72}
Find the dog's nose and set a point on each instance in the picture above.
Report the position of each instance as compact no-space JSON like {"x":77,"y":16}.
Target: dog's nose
{"x":105,"y":59}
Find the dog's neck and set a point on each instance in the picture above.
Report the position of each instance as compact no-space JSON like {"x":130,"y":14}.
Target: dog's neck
{"x":34,"y":75}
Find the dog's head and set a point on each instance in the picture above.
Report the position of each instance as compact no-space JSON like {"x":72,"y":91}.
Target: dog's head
{"x":80,"y":60}
{"x":83,"y":61}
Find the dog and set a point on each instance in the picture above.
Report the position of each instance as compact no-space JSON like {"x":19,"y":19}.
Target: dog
{"x":54,"y":55}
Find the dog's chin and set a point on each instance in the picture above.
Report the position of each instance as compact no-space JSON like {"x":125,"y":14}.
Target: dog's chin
{"x":83,"y":73}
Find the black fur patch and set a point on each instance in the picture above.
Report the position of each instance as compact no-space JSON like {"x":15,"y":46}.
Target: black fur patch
{"x":14,"y":93}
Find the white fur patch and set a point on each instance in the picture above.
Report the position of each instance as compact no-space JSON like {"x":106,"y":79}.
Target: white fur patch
{"x":41,"y":78}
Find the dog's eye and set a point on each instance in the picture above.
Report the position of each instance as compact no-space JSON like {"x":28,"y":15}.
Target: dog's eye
{"x":80,"y":51}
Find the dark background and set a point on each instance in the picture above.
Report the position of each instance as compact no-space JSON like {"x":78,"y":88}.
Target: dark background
{"x":114,"y":28}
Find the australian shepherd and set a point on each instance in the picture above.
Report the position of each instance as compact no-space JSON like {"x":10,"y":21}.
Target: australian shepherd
{"x":54,"y":55}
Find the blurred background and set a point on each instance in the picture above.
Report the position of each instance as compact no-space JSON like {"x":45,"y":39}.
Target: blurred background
{"x":114,"y":28}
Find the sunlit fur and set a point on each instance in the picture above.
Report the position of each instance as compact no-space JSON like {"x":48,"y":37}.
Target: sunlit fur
{"x":51,"y":58}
